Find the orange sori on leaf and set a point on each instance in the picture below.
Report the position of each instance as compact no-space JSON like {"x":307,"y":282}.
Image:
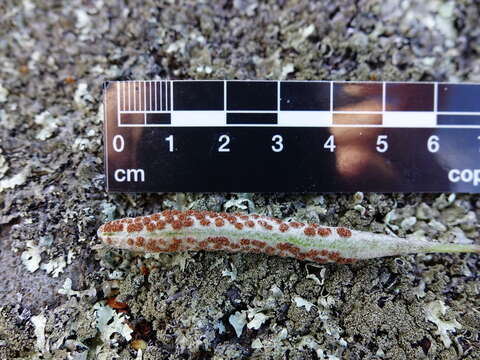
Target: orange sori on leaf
{"x":174,"y":230}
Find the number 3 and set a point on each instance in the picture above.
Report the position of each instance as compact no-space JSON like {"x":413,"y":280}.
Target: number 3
{"x":278,"y":140}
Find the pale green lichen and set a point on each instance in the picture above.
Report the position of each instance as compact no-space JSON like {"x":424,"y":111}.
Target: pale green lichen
{"x":434,"y":311}
{"x":39,"y":322}
{"x":238,"y":321}
{"x":31,"y":257}
{"x":109,"y":322}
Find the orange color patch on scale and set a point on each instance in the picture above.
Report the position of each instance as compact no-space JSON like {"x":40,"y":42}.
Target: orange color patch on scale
{"x":219,"y":222}
{"x":283,"y":227}
{"x":309,"y":231}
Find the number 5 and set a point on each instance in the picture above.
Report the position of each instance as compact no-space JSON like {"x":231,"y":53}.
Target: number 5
{"x":382,"y":145}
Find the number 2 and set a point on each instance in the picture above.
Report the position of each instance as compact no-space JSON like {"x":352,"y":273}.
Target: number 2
{"x":225,"y":140}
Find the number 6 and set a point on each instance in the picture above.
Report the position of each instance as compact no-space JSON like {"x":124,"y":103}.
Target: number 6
{"x":433,"y":144}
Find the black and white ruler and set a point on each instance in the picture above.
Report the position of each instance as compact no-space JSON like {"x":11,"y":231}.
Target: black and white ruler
{"x":291,"y":136}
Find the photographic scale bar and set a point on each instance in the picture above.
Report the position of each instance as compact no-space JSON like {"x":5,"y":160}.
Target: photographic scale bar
{"x":297,"y":103}
{"x":292,"y":136}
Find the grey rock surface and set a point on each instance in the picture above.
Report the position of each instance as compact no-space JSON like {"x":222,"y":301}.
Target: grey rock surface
{"x":64,"y":296}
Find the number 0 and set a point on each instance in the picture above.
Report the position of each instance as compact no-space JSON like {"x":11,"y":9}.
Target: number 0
{"x":118,"y":143}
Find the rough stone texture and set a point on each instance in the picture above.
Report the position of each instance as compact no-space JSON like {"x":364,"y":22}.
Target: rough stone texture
{"x":54,"y":58}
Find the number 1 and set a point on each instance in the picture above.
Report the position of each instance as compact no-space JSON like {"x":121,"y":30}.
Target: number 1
{"x":169,"y":139}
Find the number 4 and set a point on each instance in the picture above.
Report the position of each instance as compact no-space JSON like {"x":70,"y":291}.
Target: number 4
{"x":330,"y":144}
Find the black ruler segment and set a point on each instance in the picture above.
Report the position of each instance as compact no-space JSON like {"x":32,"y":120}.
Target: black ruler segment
{"x":198,"y":95}
{"x":292,"y":136}
{"x":251,"y":118}
{"x":305,"y":96}
{"x":459,"y":97}
{"x":409,"y":97}
{"x":252,"y":95}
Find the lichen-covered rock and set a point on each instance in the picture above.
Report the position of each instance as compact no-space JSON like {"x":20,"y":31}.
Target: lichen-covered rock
{"x":52,"y":193}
